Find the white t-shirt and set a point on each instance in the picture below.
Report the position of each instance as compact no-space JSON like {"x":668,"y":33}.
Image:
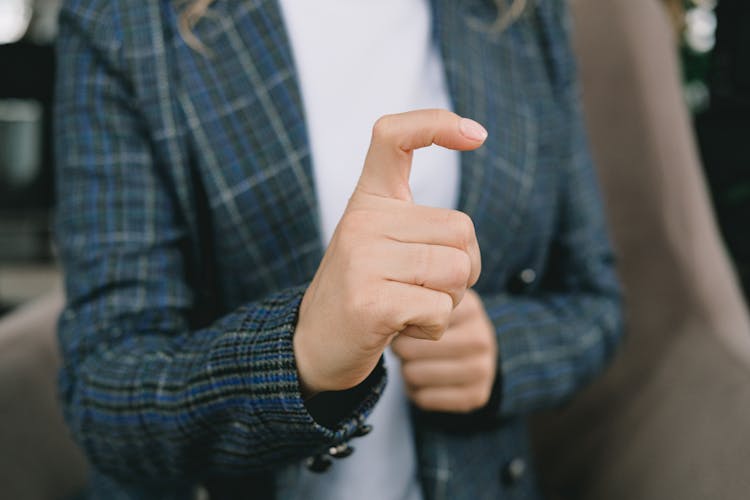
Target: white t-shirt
{"x":356,"y":61}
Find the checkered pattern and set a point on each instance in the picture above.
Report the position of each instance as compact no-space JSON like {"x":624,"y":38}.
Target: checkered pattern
{"x":188,"y":228}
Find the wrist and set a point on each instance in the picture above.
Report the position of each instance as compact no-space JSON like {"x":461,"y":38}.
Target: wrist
{"x":308,"y":388}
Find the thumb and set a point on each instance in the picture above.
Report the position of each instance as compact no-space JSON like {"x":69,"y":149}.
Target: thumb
{"x":394,"y":139}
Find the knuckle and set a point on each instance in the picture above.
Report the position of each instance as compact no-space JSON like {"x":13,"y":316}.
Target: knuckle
{"x":464,"y":228}
{"x":398,"y":317}
{"x":443,"y":311}
{"x":383,"y":129}
{"x":446,"y":307}
{"x":460,"y":269}
{"x":387,"y":312}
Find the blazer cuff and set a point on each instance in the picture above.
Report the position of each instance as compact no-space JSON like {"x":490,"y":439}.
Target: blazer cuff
{"x":272,"y":385}
{"x":333,"y":408}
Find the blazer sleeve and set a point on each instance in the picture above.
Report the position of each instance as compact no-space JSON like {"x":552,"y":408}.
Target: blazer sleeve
{"x":144,"y":394}
{"x":555,"y":339}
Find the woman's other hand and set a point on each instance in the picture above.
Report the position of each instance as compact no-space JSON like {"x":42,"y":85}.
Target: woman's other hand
{"x":454,"y":375}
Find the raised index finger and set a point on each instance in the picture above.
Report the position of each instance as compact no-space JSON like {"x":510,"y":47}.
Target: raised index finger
{"x":395,"y":137}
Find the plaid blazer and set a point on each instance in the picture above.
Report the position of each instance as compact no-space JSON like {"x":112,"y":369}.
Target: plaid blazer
{"x":188,"y":230}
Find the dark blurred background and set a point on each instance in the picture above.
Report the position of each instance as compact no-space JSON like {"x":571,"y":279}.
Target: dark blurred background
{"x":27,"y":33}
{"x":717,"y":72}
{"x":714,"y":40}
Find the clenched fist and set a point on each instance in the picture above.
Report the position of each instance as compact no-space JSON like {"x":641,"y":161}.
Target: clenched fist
{"x":454,"y":375}
{"x":392,"y":266}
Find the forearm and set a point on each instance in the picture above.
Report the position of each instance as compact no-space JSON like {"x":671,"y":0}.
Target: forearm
{"x":166,"y":402}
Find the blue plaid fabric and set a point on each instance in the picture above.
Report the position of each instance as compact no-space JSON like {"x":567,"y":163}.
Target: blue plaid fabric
{"x":187,"y":227}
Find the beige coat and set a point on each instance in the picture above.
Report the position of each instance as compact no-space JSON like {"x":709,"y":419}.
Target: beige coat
{"x":671,"y":418}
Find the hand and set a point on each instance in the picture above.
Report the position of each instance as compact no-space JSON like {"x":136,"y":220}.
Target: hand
{"x":457,"y":373}
{"x":390,"y":264}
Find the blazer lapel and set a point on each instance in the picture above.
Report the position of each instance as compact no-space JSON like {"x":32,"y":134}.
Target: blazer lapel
{"x":244,"y":105}
{"x":244,"y":110}
{"x":484,"y":74}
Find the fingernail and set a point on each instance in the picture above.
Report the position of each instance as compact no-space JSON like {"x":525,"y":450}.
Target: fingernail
{"x":472,"y":130}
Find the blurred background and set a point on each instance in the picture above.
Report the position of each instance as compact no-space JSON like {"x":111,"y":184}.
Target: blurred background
{"x":716,"y":62}
{"x":27,"y":64}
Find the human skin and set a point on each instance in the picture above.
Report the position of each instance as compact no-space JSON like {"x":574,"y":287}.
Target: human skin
{"x":456,"y":374}
{"x":391,"y":266}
